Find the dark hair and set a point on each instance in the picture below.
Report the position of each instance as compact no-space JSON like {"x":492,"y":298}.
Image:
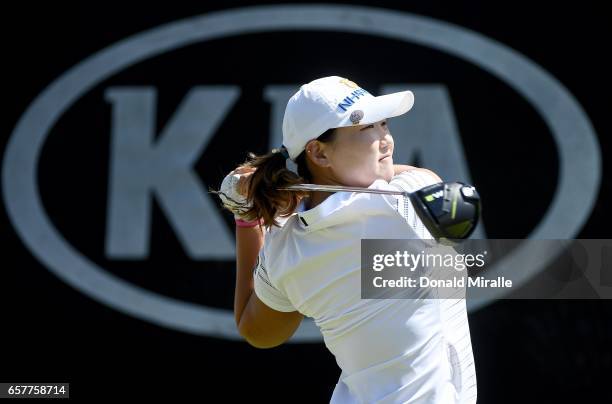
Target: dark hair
{"x":268,"y":202}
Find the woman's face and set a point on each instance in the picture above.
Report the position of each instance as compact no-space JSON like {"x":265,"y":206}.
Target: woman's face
{"x":359,"y":155}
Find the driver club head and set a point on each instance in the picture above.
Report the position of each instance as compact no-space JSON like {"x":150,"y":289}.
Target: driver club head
{"x":449,"y":210}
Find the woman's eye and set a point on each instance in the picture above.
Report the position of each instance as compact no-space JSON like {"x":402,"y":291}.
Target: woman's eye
{"x":384,"y":123}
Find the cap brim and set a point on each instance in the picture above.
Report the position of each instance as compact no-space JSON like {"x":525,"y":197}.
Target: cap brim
{"x":382,"y":107}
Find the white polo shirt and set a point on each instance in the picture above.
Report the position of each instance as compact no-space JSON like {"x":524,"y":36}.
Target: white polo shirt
{"x":389,"y":350}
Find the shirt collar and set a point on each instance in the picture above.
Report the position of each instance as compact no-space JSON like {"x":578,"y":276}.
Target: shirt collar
{"x":312,"y":218}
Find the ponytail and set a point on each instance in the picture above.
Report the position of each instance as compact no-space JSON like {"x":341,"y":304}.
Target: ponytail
{"x":264,"y":198}
{"x":267,"y":201}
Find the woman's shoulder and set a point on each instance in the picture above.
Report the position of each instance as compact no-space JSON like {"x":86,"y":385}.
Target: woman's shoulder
{"x":284,"y":225}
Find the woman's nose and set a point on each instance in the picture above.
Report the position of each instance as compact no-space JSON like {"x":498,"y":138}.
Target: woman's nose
{"x":386,"y":141}
{"x":385,"y":147}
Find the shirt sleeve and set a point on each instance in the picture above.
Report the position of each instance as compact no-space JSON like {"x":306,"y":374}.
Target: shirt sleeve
{"x":265,"y":291}
{"x":411,"y":181}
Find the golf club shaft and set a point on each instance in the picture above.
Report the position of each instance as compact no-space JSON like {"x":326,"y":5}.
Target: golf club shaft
{"x":342,"y":188}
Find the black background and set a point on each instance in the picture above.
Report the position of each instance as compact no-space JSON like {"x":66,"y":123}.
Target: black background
{"x":525,"y":351}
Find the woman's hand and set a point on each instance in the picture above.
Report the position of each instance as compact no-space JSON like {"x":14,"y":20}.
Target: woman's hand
{"x":243,"y":183}
{"x":234,"y":190}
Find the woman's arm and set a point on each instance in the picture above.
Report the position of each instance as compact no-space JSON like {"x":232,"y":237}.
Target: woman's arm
{"x":400,"y":168}
{"x":260,"y":325}
{"x":249,"y":241}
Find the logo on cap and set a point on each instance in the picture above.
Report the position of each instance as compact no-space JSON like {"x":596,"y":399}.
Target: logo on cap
{"x":349,"y":83}
{"x":356,"y":116}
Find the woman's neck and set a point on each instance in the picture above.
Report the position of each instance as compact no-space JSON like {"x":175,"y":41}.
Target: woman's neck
{"x":316,"y":198}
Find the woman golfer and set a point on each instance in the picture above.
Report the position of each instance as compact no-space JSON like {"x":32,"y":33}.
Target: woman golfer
{"x":298,"y":253}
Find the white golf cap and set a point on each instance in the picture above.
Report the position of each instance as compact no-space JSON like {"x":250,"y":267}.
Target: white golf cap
{"x":334,"y":102}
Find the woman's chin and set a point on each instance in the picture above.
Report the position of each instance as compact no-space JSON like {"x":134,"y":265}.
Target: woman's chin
{"x":389,"y":173}
{"x":387,"y":176}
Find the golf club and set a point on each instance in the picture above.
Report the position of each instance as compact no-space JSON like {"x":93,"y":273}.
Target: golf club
{"x":449,"y":210}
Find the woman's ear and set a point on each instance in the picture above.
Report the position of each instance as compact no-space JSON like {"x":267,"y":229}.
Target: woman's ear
{"x":317,"y":153}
